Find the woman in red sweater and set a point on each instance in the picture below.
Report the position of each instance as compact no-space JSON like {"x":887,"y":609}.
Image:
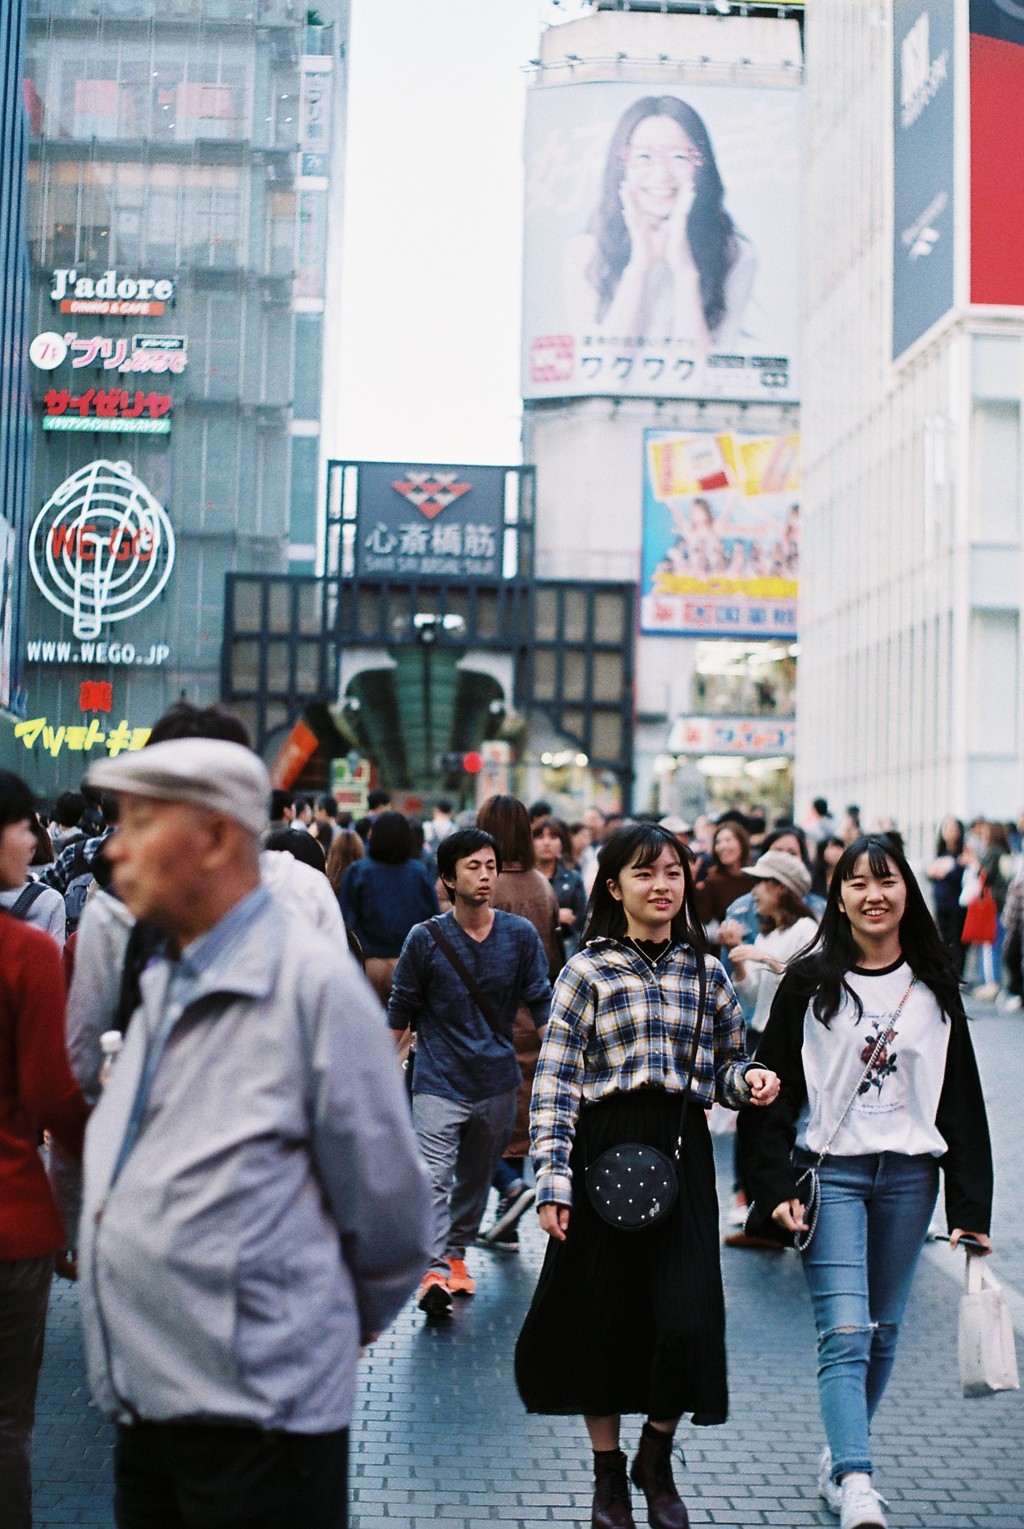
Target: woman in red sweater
{"x":37,"y":1092}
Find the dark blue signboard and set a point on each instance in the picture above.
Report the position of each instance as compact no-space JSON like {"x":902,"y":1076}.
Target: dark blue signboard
{"x":924,"y":271}
{"x":431,"y":522}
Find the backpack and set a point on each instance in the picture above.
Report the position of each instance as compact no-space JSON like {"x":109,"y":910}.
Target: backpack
{"x":74,"y":899}
{"x":77,"y":889}
{"x":25,"y":901}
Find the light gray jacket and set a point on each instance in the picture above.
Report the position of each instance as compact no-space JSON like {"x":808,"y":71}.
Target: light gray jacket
{"x":273,"y":1208}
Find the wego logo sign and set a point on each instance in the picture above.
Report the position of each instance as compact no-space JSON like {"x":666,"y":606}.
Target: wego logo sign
{"x":431,"y":492}
{"x":102,"y":548}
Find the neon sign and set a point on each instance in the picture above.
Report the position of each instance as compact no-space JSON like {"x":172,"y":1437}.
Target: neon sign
{"x":110,"y":293}
{"x":102,"y":547}
{"x":148,"y":352}
{"x":80,"y":738}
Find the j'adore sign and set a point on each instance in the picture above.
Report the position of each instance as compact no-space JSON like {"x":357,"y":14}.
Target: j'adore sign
{"x":110,"y":293}
{"x":102,"y":547}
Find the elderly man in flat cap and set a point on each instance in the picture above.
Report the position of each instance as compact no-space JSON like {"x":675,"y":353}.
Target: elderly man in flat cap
{"x":254,"y":1208}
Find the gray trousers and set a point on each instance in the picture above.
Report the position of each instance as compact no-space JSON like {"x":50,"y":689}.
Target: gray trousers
{"x":460,"y":1144}
{"x":24,"y":1294}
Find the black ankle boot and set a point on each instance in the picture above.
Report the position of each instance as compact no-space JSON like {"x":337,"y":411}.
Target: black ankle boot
{"x":652,"y":1473}
{"x":611,"y":1491}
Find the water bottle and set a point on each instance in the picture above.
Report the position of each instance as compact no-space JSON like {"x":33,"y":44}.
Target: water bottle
{"x":111,"y":1042}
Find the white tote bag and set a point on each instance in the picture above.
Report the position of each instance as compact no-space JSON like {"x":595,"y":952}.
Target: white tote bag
{"x":988,"y":1359}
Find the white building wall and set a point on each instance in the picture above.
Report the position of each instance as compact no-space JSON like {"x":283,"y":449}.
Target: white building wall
{"x":911,"y":561}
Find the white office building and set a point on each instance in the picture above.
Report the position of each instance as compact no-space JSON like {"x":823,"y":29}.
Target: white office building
{"x":911,"y":575}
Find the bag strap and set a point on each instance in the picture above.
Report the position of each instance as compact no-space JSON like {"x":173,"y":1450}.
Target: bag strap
{"x":468,"y":981}
{"x":884,"y":1037}
{"x":27,"y":898}
{"x":702,"y":993}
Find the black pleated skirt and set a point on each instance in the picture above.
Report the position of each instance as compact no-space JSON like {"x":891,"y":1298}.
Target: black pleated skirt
{"x":632,"y":1321}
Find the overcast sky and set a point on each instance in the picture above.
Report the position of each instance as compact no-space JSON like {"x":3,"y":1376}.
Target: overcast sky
{"x":433,"y":215}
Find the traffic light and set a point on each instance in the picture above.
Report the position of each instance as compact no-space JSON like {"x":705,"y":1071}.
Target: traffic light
{"x":470,"y":763}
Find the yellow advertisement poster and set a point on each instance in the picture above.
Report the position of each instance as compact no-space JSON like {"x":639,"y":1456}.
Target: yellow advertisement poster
{"x":721,"y":534}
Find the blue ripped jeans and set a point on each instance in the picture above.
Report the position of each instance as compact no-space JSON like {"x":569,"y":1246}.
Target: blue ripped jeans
{"x":874,"y":1214}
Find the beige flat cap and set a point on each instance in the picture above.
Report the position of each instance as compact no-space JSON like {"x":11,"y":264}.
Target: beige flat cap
{"x":204,"y":772}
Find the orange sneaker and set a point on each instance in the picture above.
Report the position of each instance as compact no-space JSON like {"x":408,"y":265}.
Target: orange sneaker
{"x":459,"y":1280}
{"x":435,"y":1297}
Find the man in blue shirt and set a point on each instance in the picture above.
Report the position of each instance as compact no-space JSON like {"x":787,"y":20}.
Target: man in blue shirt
{"x":466,"y":1076}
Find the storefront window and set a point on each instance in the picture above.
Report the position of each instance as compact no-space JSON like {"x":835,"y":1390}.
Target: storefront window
{"x":755,"y":679}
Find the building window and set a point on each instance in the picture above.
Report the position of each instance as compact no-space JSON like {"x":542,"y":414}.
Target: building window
{"x":130,"y":89}
{"x":744,"y":679}
{"x":134,"y":214}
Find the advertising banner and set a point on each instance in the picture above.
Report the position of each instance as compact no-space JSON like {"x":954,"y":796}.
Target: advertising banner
{"x":997,"y":151}
{"x":661,"y":239}
{"x":924,"y":207}
{"x":430,"y":521}
{"x":721,"y":534}
{"x":754,"y":737}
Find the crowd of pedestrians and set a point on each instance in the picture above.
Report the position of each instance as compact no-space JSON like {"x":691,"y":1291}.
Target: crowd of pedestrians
{"x":310,"y":1050}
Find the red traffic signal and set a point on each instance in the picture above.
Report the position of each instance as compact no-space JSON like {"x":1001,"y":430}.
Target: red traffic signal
{"x":472,"y":762}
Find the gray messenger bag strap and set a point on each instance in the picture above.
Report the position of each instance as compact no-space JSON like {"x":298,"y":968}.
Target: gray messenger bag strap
{"x":469,"y":982}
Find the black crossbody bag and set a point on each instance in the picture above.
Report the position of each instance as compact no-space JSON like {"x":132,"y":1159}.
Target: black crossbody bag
{"x":633,"y":1186}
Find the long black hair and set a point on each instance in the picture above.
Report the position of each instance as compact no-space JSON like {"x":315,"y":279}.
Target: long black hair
{"x":710,"y":230}
{"x":941,"y":847}
{"x":640,"y":844}
{"x":834,"y":950}
{"x":16,"y":800}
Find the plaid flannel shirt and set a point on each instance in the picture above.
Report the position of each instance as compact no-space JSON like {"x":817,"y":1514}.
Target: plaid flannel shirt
{"x":616,"y":1025}
{"x":73,"y":861}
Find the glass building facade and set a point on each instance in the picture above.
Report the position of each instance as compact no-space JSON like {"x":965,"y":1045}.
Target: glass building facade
{"x":179,"y":197}
{"x":15,"y":418}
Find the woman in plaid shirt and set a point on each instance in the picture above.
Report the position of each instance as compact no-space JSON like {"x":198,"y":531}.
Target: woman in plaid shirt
{"x":634,"y":1322}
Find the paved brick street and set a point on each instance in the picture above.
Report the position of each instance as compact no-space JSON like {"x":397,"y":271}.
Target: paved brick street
{"x":441,"y":1438}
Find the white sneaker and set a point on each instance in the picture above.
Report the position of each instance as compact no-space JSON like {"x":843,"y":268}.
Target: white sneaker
{"x":830,"y":1490}
{"x":860,"y":1507}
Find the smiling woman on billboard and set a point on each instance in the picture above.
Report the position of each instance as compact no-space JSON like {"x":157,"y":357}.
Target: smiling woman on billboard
{"x":663,"y":257}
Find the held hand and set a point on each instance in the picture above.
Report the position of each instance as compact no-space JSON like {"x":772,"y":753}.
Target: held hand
{"x":790,"y":1216}
{"x":755,"y":953}
{"x":730,"y":934}
{"x":764,"y":1085}
{"x":554,"y":1219}
{"x":678,"y":254}
{"x":644,"y":241}
{"x":982,"y":1251}
{"x":566,"y":917}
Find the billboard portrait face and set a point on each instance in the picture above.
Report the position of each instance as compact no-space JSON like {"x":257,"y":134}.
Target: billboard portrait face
{"x":721,"y":534}
{"x":660,"y":240}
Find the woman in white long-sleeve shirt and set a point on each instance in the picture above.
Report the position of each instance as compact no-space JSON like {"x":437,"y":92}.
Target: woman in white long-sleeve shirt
{"x":787,"y":927}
